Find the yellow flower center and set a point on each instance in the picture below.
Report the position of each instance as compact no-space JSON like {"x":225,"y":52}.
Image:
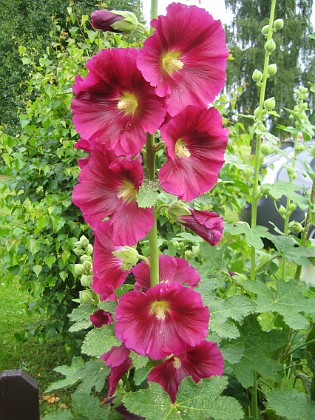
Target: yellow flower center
{"x":128,"y":103}
{"x":181,"y":150}
{"x":177,"y":363}
{"x":171,"y":62}
{"x":127,"y":191}
{"x":159,"y":309}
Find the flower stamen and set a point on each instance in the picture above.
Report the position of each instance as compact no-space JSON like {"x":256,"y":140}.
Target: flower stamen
{"x":127,"y":191}
{"x":181,"y":150}
{"x":128,"y":103}
{"x":159,"y":309}
{"x":171,"y":62}
{"x":177,"y":363}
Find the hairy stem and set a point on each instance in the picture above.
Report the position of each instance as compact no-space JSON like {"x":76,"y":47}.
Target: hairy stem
{"x":255,"y":192}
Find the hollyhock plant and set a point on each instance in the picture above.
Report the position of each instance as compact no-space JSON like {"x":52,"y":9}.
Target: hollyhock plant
{"x":162,"y":321}
{"x":171,"y":270}
{"x":195,"y":145}
{"x":202,"y":361}
{"x":185,"y":57}
{"x":108,"y":188}
{"x":114,"y":105}
{"x":108,"y":270}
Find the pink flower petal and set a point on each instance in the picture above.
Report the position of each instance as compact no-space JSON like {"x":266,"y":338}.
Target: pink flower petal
{"x":197,"y":43}
{"x":162,"y":321}
{"x":100,"y":318}
{"x":171,"y":269}
{"x":116,"y":356}
{"x":202,"y":361}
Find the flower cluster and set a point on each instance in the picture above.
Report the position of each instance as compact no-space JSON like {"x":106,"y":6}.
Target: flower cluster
{"x":128,"y":94}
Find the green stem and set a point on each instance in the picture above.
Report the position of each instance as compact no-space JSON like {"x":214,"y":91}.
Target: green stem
{"x":153,"y":234}
{"x":254,"y":398}
{"x":255,"y":192}
{"x":154,"y":10}
{"x":307,"y":224}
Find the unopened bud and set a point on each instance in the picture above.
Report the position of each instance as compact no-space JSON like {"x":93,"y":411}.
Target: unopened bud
{"x":292,"y":207}
{"x":295,"y":227}
{"x":270,"y":45}
{"x":266,"y":149}
{"x":86,"y":281}
{"x":257,"y":76}
{"x":300,"y":148}
{"x":269,"y":104}
{"x":291,"y":173}
{"x":282,"y":211}
{"x":178,"y":209}
{"x":248,"y":171}
{"x":114,"y":21}
{"x":84,"y":241}
{"x":85,"y":296}
{"x":78,"y":269}
{"x":129,"y":257}
{"x":188,"y":254}
{"x":195,"y":250}
{"x":265,"y":30}
{"x":272,"y":69}
{"x":264,"y":189}
{"x":278,"y":24}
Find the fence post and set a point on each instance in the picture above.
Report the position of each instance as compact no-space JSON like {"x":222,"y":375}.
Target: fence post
{"x":19,"y":398}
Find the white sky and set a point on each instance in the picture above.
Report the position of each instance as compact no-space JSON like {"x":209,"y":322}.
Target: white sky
{"x":215,"y":7}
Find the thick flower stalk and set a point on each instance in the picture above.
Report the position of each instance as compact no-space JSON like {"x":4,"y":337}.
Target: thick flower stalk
{"x":126,"y":96}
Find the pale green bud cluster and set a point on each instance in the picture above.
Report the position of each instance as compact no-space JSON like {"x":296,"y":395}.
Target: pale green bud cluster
{"x":83,"y":246}
{"x":129,"y":257}
{"x":295,"y":227}
{"x":266,"y":149}
{"x":270,"y":104}
{"x":84,"y":250}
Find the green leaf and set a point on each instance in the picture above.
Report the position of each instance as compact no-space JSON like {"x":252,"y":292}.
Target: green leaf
{"x":280,"y":188}
{"x":59,"y":415}
{"x":81,"y":317}
{"x":37,"y":269}
{"x":50,"y":260}
{"x":138,"y":361}
{"x":73,"y":374}
{"x":253,"y":235}
{"x":287,"y":300}
{"x":259,"y":349}
{"x":288,"y":246}
{"x":291,"y":404}
{"x":89,"y":407}
{"x":148,"y":194}
{"x":193,"y":402}
{"x":99,"y":341}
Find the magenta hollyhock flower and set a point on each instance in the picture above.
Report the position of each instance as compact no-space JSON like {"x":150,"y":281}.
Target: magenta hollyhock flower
{"x":162,"y":321}
{"x":100,"y":318}
{"x":114,"y":105}
{"x":119,"y":362}
{"x":185,"y":57}
{"x":171,"y":269}
{"x":108,"y":273}
{"x":195,"y":145}
{"x":202,"y":361}
{"x":208,"y":225}
{"x":104,"y":19}
{"x":108,"y":187}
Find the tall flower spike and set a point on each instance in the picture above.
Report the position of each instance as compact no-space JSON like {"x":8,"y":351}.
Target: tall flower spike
{"x":108,"y":273}
{"x":185,"y":57}
{"x":203,"y":361}
{"x":162,"y":321}
{"x":195,"y":144}
{"x":108,"y":188}
{"x":171,"y":270}
{"x":114,"y":105}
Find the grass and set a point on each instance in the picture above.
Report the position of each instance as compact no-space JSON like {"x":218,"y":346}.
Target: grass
{"x":36,"y":358}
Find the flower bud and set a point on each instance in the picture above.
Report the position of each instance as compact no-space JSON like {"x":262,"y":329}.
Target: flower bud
{"x":85,"y":296}
{"x":270,"y":45}
{"x":300,"y":148}
{"x":257,"y":76}
{"x":114,"y":21}
{"x":266,"y":149}
{"x":84,"y":241}
{"x":291,"y":173}
{"x":269,"y":104}
{"x":248,"y":171}
{"x":86,"y":281}
{"x":295,"y":227}
{"x":87,"y":267}
{"x":272,"y":69}
{"x":282,"y":211}
{"x":188,"y":254}
{"x":195,"y":250}
{"x":292,"y":207}
{"x":278,"y":24}
{"x":78,"y":269}
{"x":265,"y":30}
{"x":264,"y":189}
{"x":178,"y":209}
{"x":129,"y":257}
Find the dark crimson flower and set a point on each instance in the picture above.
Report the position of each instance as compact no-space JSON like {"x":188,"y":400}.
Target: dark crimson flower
{"x":119,"y":362}
{"x":171,"y":269}
{"x":208,"y":225}
{"x":185,"y":58}
{"x":195,"y":144}
{"x":108,"y":272}
{"x":114,"y":105}
{"x":202,"y":361}
{"x":108,"y":187}
{"x":100,"y":318}
{"x":162,"y":321}
{"x":104,"y":19}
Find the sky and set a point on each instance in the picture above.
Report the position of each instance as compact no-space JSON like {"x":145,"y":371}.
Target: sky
{"x":215,"y":7}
